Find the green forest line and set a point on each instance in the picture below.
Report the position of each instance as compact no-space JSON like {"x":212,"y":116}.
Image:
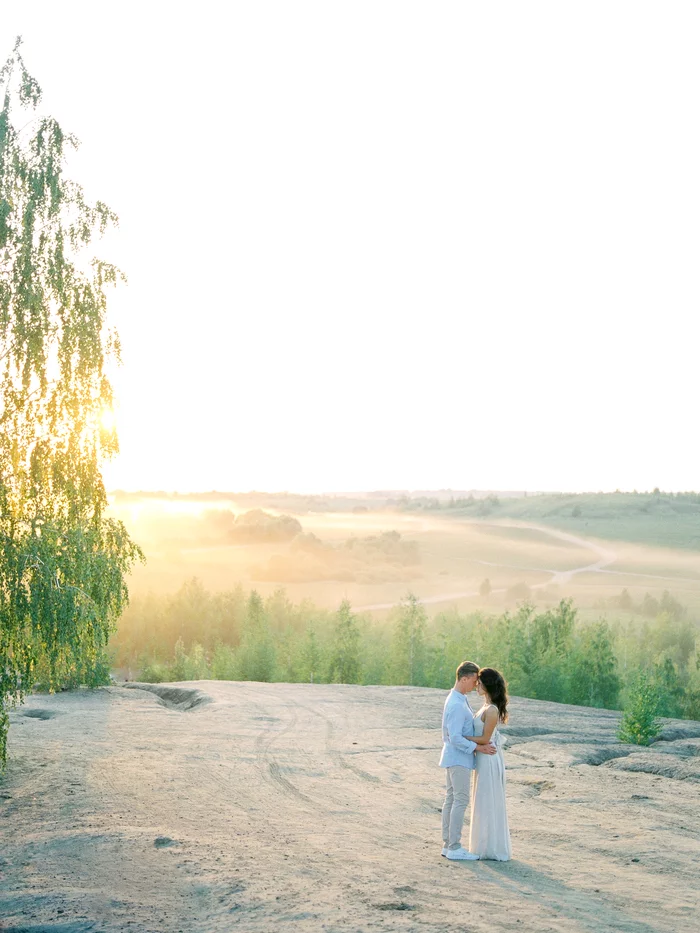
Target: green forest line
{"x":195,"y":634}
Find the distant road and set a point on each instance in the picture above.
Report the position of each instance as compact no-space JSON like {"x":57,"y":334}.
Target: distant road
{"x":604,"y":555}
{"x":605,"y":558}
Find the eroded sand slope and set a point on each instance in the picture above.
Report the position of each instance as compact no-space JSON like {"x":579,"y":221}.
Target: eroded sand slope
{"x":269,"y":807}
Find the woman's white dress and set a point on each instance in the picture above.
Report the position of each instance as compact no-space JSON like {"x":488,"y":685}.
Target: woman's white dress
{"x":489,"y":836}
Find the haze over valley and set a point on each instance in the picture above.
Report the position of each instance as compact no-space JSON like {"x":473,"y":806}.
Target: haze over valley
{"x":348,"y":406}
{"x":371,"y":549}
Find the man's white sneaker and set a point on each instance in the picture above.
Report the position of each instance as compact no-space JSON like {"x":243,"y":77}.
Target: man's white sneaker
{"x":461,"y":855}
{"x":444,"y":851}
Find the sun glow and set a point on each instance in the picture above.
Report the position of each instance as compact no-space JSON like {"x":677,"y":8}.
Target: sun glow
{"x":108,"y":420}
{"x":502,"y":310}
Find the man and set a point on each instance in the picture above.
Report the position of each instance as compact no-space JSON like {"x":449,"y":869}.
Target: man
{"x":458,"y":760}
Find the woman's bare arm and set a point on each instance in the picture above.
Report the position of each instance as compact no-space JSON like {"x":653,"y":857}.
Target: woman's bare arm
{"x":490,"y":723}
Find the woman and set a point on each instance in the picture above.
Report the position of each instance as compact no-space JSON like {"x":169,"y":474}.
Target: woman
{"x":489,"y":836}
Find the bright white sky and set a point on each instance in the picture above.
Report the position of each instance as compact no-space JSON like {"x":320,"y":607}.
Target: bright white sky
{"x":392,"y":244}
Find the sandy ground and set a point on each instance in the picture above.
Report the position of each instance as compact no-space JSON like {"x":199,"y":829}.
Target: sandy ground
{"x":264,"y":807}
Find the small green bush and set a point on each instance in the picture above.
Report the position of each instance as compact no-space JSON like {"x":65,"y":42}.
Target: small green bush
{"x":639,"y":723}
{"x":154,"y":673}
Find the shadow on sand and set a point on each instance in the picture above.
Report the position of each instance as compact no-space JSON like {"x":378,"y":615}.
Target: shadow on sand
{"x":589,"y":912}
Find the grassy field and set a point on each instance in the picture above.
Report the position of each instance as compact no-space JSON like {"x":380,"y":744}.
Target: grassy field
{"x":647,"y":518}
{"x":454,"y":551}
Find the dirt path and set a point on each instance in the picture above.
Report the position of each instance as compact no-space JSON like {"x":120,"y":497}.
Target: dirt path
{"x":276,"y":807}
{"x":605,"y":558}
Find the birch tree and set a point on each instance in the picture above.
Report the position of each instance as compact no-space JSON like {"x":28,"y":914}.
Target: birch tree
{"x":63,"y":564}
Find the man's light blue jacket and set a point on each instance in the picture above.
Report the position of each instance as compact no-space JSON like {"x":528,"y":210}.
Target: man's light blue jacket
{"x":457,"y":721}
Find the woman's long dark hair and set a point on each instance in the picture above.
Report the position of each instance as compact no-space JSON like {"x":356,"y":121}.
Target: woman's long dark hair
{"x":497,"y":689}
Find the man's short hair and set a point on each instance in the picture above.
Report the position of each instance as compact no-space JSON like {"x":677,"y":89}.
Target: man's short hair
{"x":466,"y":669}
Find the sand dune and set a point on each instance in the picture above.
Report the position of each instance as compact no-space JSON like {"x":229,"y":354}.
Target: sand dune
{"x":259,"y":807}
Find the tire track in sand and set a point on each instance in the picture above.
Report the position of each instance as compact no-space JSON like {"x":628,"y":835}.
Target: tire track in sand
{"x":336,"y":755}
{"x":271,"y":769}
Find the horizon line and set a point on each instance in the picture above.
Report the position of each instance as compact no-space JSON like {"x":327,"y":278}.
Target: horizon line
{"x":390,"y":493}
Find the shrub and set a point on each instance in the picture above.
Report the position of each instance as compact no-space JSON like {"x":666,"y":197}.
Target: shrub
{"x":153,"y":672}
{"x":639,"y":723}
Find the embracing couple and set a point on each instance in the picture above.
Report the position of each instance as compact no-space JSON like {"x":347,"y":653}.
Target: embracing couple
{"x":471,"y":742}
